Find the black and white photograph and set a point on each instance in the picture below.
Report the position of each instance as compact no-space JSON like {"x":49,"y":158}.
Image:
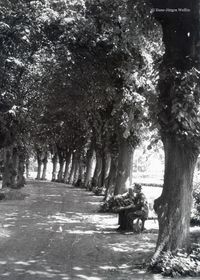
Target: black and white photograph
{"x":99,"y":139}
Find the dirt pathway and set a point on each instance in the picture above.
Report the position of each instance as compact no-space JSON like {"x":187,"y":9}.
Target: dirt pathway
{"x":57,"y":233}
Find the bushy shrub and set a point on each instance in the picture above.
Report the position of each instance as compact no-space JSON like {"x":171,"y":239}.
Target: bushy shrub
{"x":113,"y":202}
{"x":11,"y":194}
{"x":178,"y":264}
{"x":99,"y":191}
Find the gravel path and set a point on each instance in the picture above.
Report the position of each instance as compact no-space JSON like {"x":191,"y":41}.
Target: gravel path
{"x":56,"y":233}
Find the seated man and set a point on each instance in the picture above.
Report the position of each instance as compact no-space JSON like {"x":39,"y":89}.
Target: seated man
{"x":128,"y":202}
{"x":140,"y":209}
{"x":137,"y":209}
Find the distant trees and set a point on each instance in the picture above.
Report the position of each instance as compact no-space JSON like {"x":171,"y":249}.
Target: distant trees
{"x":17,"y":49}
{"x":85,"y":55}
{"x":93,"y":101}
{"x":28,"y":31}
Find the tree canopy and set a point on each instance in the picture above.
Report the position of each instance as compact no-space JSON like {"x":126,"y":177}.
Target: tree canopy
{"x":84,"y":77}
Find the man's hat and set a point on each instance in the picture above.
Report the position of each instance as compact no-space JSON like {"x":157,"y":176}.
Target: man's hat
{"x":138,"y":186}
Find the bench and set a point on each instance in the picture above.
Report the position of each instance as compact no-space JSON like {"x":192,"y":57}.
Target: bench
{"x":131,"y":219}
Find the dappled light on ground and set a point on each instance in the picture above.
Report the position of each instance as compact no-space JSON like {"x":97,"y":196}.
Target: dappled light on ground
{"x":30,"y":269}
{"x":57,"y":233}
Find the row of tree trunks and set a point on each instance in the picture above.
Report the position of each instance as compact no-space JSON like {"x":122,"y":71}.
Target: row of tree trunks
{"x":63,"y":159}
{"x":42,"y":160}
{"x":71,"y":167}
{"x":112,"y":170}
{"x":14,"y":163}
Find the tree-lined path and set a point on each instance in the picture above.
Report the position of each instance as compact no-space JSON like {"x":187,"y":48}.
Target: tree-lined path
{"x":84,"y":84}
{"x":56,"y":233}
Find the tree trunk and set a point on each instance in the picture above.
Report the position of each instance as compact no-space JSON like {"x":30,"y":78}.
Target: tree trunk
{"x":27,"y":164}
{"x":71,"y":175}
{"x":45,"y":161}
{"x":111,"y":179}
{"x":8,"y":171}
{"x":102,"y":174}
{"x":104,"y":170}
{"x":13,"y":174}
{"x":54,"y":171}
{"x":38,"y":177}
{"x":174,"y":214}
{"x":181,"y":39}
{"x":60,"y":172}
{"x":107,"y":167}
{"x":82,"y":169}
{"x":21,"y":169}
{"x":81,"y":174}
{"x":124,"y":166}
{"x":76,"y":168}
{"x":131,"y":170}
{"x":14,"y":166}
{"x":61,"y":167}
{"x":39,"y":162}
{"x":91,"y":183}
{"x":89,"y":165}
{"x":97,"y":170}
{"x":77,"y":172}
{"x":39,"y":170}
{"x":67,"y":164}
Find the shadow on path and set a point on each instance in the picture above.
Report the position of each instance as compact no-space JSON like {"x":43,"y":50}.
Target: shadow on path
{"x":57,"y":233}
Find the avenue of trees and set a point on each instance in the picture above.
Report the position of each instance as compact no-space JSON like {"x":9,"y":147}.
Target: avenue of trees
{"x":84,"y":81}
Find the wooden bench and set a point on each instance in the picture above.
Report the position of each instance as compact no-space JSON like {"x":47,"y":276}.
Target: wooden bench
{"x":131,"y":219}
